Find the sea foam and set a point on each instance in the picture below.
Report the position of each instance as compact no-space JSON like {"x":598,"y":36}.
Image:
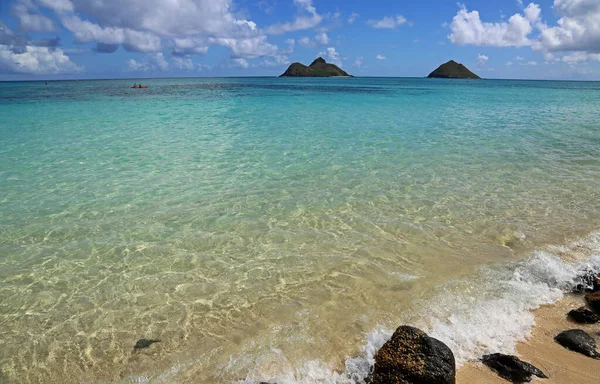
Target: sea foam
{"x":493,"y":315}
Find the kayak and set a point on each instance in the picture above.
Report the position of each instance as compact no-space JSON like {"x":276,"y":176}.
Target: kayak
{"x":141,"y":86}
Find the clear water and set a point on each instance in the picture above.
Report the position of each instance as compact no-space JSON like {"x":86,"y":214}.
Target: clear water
{"x":265,"y":227}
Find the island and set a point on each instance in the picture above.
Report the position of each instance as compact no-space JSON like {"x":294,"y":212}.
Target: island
{"x":318,"y":68}
{"x":453,"y":70}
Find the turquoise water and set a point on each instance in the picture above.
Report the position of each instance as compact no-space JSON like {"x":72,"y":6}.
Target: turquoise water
{"x":231,"y":218}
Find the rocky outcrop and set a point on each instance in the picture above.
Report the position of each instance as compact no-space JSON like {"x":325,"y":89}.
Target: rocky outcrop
{"x":579,"y":341}
{"x":411,"y":356}
{"x":583,"y":316}
{"x":318,"y":68}
{"x":512,"y":368}
{"x":453,"y":70}
{"x":593,"y":300}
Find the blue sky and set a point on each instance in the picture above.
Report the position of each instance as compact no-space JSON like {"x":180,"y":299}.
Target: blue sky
{"x":545,"y":39}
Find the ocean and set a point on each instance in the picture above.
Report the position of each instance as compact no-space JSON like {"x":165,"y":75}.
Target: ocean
{"x":276,"y":229}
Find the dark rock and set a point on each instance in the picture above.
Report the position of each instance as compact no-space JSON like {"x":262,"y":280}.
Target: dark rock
{"x":593,"y":300}
{"x":453,"y":70}
{"x":318,"y":68}
{"x":590,"y":282}
{"x":584,"y":316}
{"x":144,"y":343}
{"x":579,"y":341}
{"x":512,"y":368}
{"x":411,"y":356}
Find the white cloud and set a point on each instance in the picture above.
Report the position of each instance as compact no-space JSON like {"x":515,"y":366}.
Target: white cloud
{"x":578,"y":28}
{"x":352,"y":18}
{"x":358,"y":63}
{"x":482,"y":59}
{"x":30,"y":18}
{"x":529,"y":63}
{"x":332,"y":56}
{"x":36,"y":60}
{"x":509,"y":63}
{"x":306,"y":42}
{"x":322,"y":38}
{"x":134,"y":65}
{"x":467,"y":28}
{"x":185,"y":26}
{"x":380,"y":57}
{"x":309,"y":18}
{"x":241,"y":63}
{"x":57,"y":5}
{"x":388,"y":22}
{"x":576,"y":31}
{"x":152,"y":62}
{"x":519,"y":58}
{"x":184,"y":63}
{"x":577,"y":57}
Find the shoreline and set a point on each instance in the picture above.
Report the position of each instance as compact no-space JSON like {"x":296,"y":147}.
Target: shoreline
{"x":561,"y":365}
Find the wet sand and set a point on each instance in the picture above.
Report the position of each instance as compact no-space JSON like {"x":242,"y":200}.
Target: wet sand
{"x":561,"y":365}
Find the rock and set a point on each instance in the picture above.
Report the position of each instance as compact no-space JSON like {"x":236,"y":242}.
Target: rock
{"x":590,"y":282}
{"x":318,"y":68}
{"x":453,"y":70}
{"x":593,"y":300}
{"x":144,"y":343}
{"x":579,"y":341}
{"x":584,"y":316}
{"x":411,"y":356}
{"x":512,"y":368}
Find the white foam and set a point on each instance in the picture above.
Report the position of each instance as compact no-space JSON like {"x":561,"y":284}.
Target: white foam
{"x":492,"y":316}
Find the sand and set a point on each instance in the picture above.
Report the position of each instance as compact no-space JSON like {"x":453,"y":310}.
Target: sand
{"x":559,"y":364}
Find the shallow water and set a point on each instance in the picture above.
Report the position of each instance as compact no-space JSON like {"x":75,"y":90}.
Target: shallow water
{"x":266,"y":227}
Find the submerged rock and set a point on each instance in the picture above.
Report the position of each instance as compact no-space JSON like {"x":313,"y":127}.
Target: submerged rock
{"x":584,"y":316}
{"x":144,"y":343}
{"x":593,"y":300}
{"x":512,"y":368}
{"x":411,"y":356}
{"x":579,"y":341}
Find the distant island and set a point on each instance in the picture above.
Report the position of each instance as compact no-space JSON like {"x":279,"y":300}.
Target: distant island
{"x":318,"y":68}
{"x":453,"y":70}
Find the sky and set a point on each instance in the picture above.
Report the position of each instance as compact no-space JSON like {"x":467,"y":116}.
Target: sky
{"x":88,"y":39}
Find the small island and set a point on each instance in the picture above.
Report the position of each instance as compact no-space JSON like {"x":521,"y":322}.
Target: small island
{"x":453,"y":70}
{"x":318,"y":68}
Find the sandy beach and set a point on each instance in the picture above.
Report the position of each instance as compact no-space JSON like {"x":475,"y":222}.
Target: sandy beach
{"x":562,"y":366}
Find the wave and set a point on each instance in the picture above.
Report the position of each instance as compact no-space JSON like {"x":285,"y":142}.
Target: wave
{"x":490,"y":313}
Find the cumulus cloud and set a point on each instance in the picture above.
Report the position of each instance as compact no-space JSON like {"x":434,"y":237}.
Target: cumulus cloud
{"x":322,"y":38}
{"x":19,"y":54}
{"x":352,"y":18}
{"x":30,"y":18}
{"x":185,"y":27}
{"x":36,"y":60}
{"x":576,"y":34}
{"x":307,"y":18}
{"x":388,"y":22}
{"x":578,"y":28}
{"x":183,"y":63}
{"x":152,"y":62}
{"x":319,"y":39}
{"x":332,"y":56}
{"x":380,"y":57}
{"x":482,"y":59}
{"x":467,"y":28}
